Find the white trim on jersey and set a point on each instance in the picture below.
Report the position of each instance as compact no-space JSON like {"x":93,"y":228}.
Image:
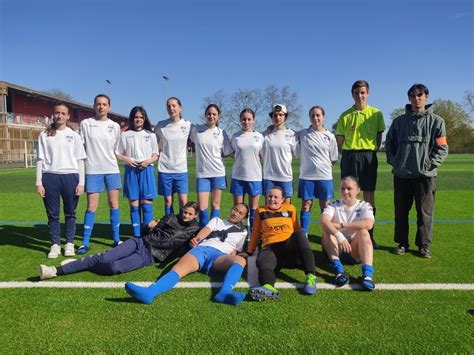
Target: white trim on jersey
{"x":277,"y":153}
{"x":101,"y":139}
{"x":317,"y":152}
{"x":247,"y":147}
{"x":211,"y":145}
{"x":138,"y":145}
{"x":172,"y":140}
{"x":341,"y":213}
{"x":234,"y":241}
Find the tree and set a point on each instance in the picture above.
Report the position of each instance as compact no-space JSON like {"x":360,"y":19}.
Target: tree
{"x":59,"y":94}
{"x":459,"y":130}
{"x":261,"y":102}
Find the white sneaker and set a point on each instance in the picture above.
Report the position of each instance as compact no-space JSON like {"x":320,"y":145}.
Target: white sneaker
{"x":67,"y":261}
{"x":46,"y":272}
{"x":54,"y":252}
{"x":69,"y":249}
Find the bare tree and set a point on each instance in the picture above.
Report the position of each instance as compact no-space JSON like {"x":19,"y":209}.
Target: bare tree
{"x":261,"y":102}
{"x":59,"y":94}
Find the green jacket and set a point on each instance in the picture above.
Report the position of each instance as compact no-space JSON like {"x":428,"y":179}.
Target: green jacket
{"x":416,"y":143}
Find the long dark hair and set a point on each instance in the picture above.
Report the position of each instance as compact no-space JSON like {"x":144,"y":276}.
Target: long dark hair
{"x":131,"y":119}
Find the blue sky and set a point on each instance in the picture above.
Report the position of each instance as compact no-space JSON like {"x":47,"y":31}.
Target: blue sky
{"x":318,"y":48}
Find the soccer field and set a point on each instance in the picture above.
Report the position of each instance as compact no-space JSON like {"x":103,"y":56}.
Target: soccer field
{"x":73,"y":317}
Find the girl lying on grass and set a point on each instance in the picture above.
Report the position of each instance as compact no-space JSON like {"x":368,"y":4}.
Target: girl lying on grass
{"x":213,"y":250}
{"x":161,"y":240}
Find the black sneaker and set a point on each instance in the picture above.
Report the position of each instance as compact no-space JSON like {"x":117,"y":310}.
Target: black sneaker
{"x":400,"y":250}
{"x":425,"y":253}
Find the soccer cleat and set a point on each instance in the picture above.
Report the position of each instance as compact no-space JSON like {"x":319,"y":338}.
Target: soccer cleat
{"x":69,"y":249}
{"x":263,"y":293}
{"x":54,"y":252}
{"x":46,"y":272}
{"x":115,"y":244}
{"x":67,"y":261}
{"x":425,"y":253}
{"x":83,"y":249}
{"x":366,"y":283}
{"x":400,"y":250}
{"x":341,"y":279}
{"x":310,"y":285}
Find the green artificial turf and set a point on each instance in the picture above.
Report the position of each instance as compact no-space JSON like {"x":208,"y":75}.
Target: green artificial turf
{"x":185,"y":320}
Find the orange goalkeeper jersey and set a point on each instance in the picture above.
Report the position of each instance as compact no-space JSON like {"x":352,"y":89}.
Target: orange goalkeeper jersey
{"x":273,"y":226}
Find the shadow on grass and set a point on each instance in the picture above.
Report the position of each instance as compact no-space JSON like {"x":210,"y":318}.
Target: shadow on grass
{"x":36,"y":237}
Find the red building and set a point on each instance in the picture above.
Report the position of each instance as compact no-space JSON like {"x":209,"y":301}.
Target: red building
{"x":24,"y":113}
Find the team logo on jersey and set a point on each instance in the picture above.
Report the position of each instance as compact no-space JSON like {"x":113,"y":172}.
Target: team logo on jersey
{"x":358,"y":212}
{"x":256,"y":138}
{"x":110,"y":128}
{"x":288,"y":136}
{"x":216,"y":134}
{"x":147,"y":139}
{"x":183,"y":129}
{"x":69,"y":138}
{"x":285,"y":214}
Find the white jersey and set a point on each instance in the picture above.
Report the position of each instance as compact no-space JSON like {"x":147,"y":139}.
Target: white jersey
{"x":138,"y":145}
{"x":317,"y":151}
{"x":173,"y":142}
{"x":247,"y":147}
{"x":277,"y":153}
{"x":211,"y":145}
{"x":225,"y":236}
{"x":341,"y":213}
{"x":59,"y":153}
{"x":101,"y":139}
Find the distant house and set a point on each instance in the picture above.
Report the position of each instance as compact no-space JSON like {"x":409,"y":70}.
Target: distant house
{"x":25,"y":112}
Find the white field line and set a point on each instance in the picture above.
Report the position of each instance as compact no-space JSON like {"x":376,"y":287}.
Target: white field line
{"x":279,"y":285}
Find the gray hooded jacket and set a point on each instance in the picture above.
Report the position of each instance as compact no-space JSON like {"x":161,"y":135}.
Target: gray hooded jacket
{"x":416,"y":143}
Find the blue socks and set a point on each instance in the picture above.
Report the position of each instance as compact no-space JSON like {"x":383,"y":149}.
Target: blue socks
{"x":147,"y":210}
{"x":337,"y":265}
{"x":203,"y":218}
{"x":169,"y":210}
{"x":215,"y":213}
{"x":251,"y":218}
{"x":225,"y":294}
{"x":367,"y":270}
{"x":135,"y":218}
{"x":115,"y":223}
{"x":89,"y":219}
{"x":147,"y":294}
{"x":305,"y":217}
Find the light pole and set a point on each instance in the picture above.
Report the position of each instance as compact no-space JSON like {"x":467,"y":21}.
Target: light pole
{"x":166,"y":79}
{"x":110,"y":87}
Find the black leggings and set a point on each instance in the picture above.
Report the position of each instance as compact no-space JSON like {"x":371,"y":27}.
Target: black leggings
{"x":287,"y":253}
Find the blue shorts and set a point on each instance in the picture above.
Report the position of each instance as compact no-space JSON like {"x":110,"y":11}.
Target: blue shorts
{"x":169,"y":183}
{"x":206,"y":256}
{"x":95,"y":182}
{"x":240,"y":188}
{"x":320,"y":189}
{"x":287,"y":187}
{"x":213,"y":183}
{"x":139,"y":184}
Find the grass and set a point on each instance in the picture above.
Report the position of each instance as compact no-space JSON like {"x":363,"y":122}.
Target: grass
{"x":185,"y":320}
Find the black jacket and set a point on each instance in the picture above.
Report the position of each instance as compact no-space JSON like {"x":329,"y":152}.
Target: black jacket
{"x":171,"y":234}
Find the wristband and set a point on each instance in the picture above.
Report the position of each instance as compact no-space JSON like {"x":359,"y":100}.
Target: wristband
{"x":340,"y":237}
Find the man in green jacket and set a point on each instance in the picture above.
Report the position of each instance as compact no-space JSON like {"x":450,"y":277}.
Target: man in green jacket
{"x":416,"y":146}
